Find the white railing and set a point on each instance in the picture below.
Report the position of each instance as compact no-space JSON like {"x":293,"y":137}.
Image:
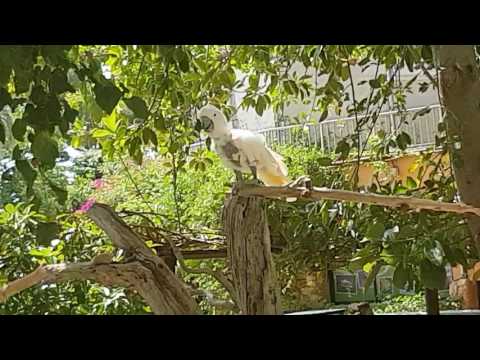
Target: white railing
{"x":327,"y":134}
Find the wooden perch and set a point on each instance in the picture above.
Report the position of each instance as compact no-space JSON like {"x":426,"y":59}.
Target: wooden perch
{"x":250,"y":256}
{"x":316,"y":194}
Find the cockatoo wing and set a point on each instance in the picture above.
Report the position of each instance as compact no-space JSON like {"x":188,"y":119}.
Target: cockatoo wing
{"x":257,"y":153}
{"x":269,"y":165}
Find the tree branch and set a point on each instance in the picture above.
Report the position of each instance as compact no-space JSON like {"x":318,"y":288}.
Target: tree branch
{"x":105,"y":274}
{"x":170,"y":295}
{"x":316,"y":194}
{"x":210,"y":298}
{"x":217,"y":275}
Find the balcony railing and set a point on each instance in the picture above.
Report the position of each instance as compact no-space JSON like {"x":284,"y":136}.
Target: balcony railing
{"x":327,"y":134}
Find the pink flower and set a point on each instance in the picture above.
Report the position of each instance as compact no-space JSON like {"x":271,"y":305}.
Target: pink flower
{"x":98,"y":183}
{"x":86,"y":205}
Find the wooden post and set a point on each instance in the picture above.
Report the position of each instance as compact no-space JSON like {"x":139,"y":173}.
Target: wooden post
{"x":249,"y":256}
{"x":431,"y":302}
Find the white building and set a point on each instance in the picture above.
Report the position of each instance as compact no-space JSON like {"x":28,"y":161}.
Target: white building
{"x":251,"y":120}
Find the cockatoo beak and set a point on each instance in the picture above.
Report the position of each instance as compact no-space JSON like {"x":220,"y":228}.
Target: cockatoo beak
{"x":207,"y":124}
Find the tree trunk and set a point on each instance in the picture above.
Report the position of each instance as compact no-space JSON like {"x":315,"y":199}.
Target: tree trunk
{"x":431,"y":302}
{"x":460,"y":87}
{"x":250,"y":257}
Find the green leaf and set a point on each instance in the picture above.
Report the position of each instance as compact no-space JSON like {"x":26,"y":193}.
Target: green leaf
{"x":181,"y":58}
{"x":10,"y":208}
{"x":290,"y":87}
{"x":28,"y":173}
{"x":406,"y":232}
{"x":324,"y":161}
{"x":146,"y":48}
{"x":59,"y":83}
{"x":46,"y":232}
{"x":427,"y":52}
{"x":76,"y":142}
{"x":411,"y":183}
{"x":45,"y":149}
{"x":432,"y":276}
{"x":99,"y":133}
{"x":41,"y":253}
{"x":19,"y":128}
{"x":253,"y":82}
{"x":344,"y":73}
{"x":134,"y":147}
{"x":53,"y":110}
{"x":372,"y":274}
{"x":5,"y":98}
{"x":138,"y":157}
{"x":110,"y":122}
{"x":38,"y":95}
{"x":375,"y":231}
{"x":410,"y":82}
{"x":422,"y":112}
{"x":16,"y":153}
{"x":5,"y":72}
{"x":60,"y":194}
{"x":149,"y":136}
{"x":69,"y":113}
{"x":159,"y":123}
{"x":107,"y":96}
{"x":21,"y":81}
{"x":403,"y":140}
{"x":368,"y":266}
{"x":324,"y":115}
{"x":261,"y":105}
{"x":343,"y":148}
{"x":138,"y":106}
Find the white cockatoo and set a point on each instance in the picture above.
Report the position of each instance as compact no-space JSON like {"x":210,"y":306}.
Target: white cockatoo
{"x":243,"y":151}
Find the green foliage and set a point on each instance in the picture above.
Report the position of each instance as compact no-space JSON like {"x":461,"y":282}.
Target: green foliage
{"x":411,"y":303}
{"x":65,"y":93}
{"x":327,"y":234}
{"x":130,"y":100}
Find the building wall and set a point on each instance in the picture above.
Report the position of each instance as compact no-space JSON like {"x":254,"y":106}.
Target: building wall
{"x":416,"y":99}
{"x":249,"y":119}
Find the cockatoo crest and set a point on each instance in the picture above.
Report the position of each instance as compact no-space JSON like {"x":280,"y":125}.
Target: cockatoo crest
{"x":213,"y":121}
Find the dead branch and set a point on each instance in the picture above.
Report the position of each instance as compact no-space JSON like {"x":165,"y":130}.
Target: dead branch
{"x":217,"y":275}
{"x":105,"y":274}
{"x":210,"y":298}
{"x":171,"y":295}
{"x":316,"y":194}
{"x":196,"y":254}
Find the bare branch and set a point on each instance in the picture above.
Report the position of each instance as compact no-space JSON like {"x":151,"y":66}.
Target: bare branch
{"x":316,"y":194}
{"x":217,"y":275}
{"x":105,"y":274}
{"x":197,"y":254}
{"x":170,"y":295}
{"x":210,"y":298}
